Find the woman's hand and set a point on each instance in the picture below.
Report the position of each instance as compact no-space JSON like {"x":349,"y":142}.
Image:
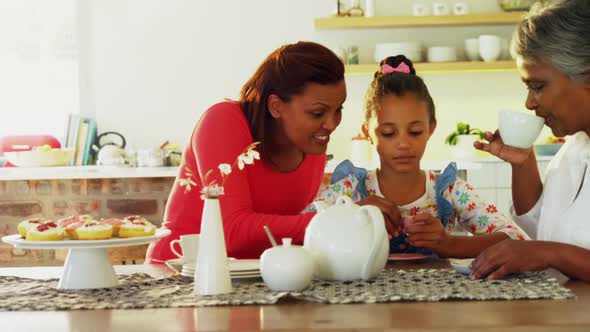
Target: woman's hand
{"x":496,"y":146}
{"x":391,"y":214}
{"x":511,"y":256}
{"x":426,"y":231}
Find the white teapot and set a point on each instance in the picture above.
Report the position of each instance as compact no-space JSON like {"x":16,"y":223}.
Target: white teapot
{"x":348,"y":241}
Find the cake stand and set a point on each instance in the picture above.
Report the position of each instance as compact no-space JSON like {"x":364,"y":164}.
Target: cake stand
{"x":87,"y":265}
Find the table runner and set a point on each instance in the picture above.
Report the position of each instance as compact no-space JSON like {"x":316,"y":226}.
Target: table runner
{"x":142,"y":291}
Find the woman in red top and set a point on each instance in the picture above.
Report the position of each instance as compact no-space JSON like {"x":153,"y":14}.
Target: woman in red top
{"x":291,"y":105}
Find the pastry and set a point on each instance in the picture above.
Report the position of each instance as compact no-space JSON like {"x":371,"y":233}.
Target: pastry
{"x":25,"y":225}
{"x":134,"y":226}
{"x":65,"y":222}
{"x":89,"y":230}
{"x":115,"y":222}
{"x":46,"y":231}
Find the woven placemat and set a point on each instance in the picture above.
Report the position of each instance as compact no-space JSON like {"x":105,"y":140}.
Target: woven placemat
{"x":142,"y":291}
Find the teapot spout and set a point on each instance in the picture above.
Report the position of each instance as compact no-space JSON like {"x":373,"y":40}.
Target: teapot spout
{"x":320,"y":206}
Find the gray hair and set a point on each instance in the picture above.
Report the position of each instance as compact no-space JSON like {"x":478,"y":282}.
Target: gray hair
{"x":557,"y":32}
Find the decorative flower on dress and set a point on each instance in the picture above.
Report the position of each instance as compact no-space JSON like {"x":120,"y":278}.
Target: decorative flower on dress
{"x":213,"y":189}
{"x":491,"y":209}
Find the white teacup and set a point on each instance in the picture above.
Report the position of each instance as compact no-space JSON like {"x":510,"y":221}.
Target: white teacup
{"x":189,"y":245}
{"x":519,"y":129}
{"x":490,"y":47}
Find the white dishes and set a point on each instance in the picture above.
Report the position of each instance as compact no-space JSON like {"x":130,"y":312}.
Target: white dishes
{"x":412,"y":51}
{"x":442,"y":54}
{"x":462,"y":265}
{"x":239,"y":268}
{"x":87,"y":265}
{"x":40,"y":158}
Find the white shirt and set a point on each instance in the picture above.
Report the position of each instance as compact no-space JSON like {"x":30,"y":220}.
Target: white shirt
{"x":562,"y":213}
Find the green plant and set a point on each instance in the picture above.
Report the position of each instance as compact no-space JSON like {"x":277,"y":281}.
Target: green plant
{"x":462,"y":129}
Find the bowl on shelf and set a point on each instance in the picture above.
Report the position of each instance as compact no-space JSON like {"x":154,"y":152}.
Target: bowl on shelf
{"x":442,"y":54}
{"x":547,"y":149}
{"x":412,"y":51}
{"x":40,"y":158}
{"x":516,"y":5}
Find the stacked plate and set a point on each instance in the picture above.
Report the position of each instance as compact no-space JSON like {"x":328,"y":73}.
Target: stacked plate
{"x":239,"y":268}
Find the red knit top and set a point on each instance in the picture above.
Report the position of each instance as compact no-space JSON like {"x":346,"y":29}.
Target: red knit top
{"x":256,"y":196}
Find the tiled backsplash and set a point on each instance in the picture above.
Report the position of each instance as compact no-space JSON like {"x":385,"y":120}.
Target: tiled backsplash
{"x":58,"y":198}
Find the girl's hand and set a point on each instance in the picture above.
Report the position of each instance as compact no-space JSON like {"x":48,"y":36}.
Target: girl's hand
{"x":511,"y":256}
{"x":391,"y":214}
{"x":426,"y":231}
{"x":496,"y":146}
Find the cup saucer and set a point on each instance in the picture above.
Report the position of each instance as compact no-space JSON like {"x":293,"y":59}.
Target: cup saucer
{"x":409,"y":257}
{"x":461,"y":265}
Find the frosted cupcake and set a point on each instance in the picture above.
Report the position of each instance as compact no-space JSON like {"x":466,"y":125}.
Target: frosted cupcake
{"x":25,"y":225}
{"x":48,"y":231}
{"x":134,"y":226}
{"x":65,"y":222}
{"x":89,"y":230}
{"x":115,"y":222}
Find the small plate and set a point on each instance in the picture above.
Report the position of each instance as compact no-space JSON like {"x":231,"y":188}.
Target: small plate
{"x":406,"y":257}
{"x":462,"y":265}
{"x":244,"y":265}
{"x":191,"y":274}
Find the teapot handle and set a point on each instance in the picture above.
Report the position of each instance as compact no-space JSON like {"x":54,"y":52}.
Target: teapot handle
{"x":378,"y":224}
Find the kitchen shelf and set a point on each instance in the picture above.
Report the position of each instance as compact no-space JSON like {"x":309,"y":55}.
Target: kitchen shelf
{"x":441,"y":67}
{"x":346,"y":22}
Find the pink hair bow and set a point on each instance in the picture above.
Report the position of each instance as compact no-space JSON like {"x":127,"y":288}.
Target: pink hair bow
{"x":401,"y":68}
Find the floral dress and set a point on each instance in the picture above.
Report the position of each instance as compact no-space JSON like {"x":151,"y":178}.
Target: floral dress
{"x":466,"y":210}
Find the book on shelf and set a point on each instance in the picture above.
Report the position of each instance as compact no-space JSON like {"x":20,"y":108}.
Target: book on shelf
{"x":80,"y":136}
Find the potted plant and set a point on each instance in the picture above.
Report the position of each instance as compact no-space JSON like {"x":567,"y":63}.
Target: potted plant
{"x":461,"y":140}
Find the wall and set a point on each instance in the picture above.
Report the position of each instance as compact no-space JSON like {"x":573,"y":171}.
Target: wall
{"x":150,"y":67}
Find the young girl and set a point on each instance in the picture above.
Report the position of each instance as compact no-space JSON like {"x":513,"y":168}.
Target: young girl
{"x":399,"y":120}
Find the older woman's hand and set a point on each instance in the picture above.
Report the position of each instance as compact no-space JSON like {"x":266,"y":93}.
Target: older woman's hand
{"x":510,"y":256}
{"x":496,"y":146}
{"x":393,"y":218}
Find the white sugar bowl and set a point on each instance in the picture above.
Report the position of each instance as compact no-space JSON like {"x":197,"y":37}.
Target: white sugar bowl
{"x":287,"y":267}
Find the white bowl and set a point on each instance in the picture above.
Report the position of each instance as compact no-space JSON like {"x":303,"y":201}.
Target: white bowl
{"x":412,"y":51}
{"x":519,"y":129}
{"x":442,"y":54}
{"x":490,"y":47}
{"x":40,"y":158}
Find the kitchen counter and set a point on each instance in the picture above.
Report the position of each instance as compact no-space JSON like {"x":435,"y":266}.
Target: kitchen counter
{"x":84,"y":172}
{"x":109,"y":172}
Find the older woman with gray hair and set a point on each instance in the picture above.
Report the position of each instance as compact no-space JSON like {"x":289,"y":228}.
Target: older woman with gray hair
{"x":552,"y":48}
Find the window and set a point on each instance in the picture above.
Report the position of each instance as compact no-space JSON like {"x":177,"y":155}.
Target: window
{"x":39,"y":83}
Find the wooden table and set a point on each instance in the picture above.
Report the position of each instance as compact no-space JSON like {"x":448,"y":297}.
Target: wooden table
{"x":541,"y":315}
